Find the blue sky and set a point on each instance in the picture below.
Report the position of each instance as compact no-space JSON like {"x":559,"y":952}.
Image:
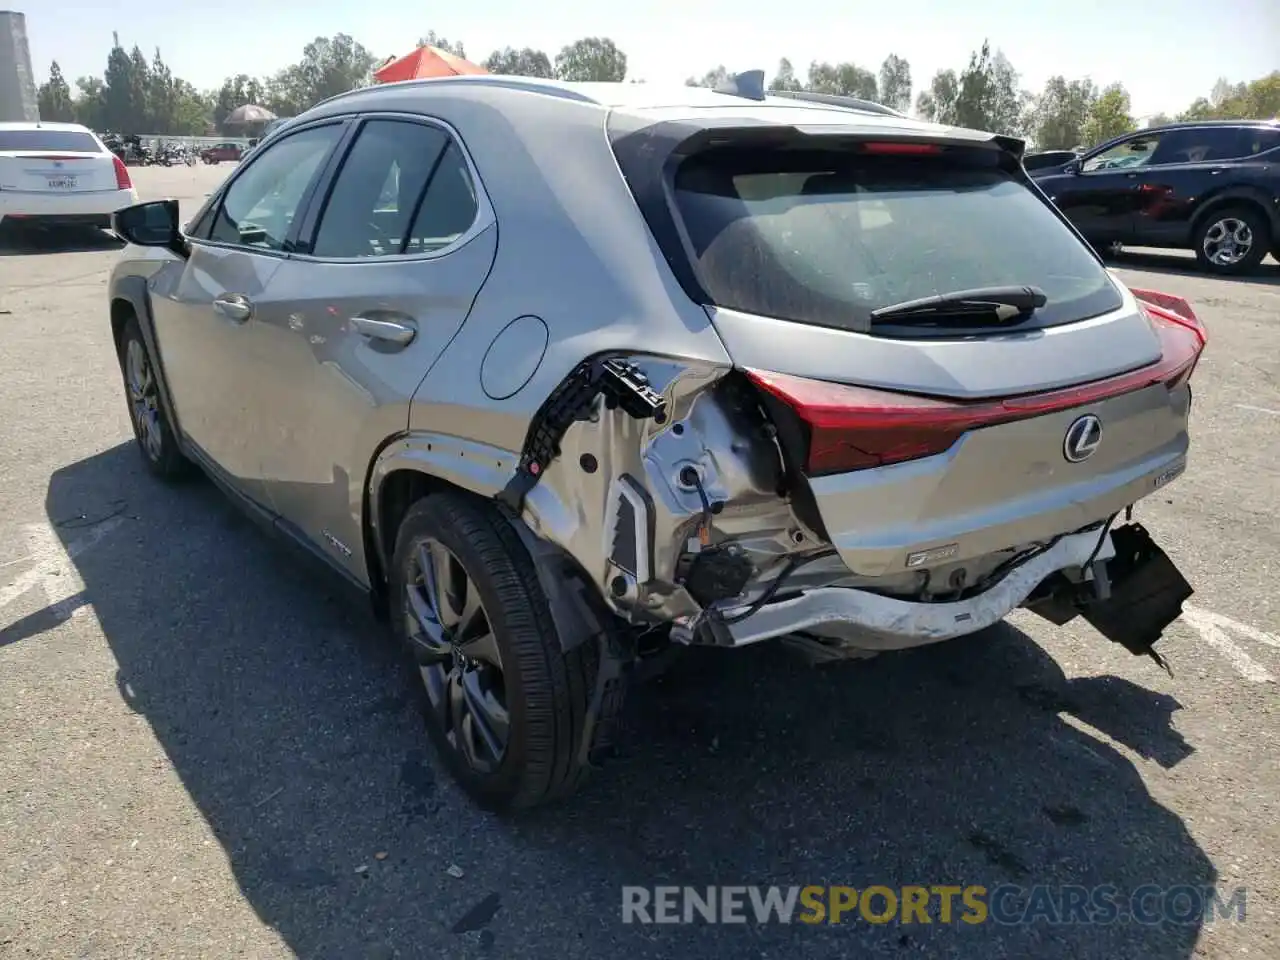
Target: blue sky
{"x":1167,"y":52}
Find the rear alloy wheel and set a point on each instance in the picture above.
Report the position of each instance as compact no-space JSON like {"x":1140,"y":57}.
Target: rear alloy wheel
{"x":1232,"y":240}
{"x":151,"y":426}
{"x":505,"y":706}
{"x":458,"y":656}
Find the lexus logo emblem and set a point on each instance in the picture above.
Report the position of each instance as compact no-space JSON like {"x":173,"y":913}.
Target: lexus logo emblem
{"x":1082,"y":439}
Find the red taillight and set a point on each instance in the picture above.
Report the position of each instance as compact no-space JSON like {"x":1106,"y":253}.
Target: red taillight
{"x":901,"y":148}
{"x":856,"y":428}
{"x":122,"y":174}
{"x":1171,"y":308}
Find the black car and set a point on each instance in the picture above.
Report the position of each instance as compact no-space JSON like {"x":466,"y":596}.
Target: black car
{"x":1033,"y":162}
{"x":1212,"y":187}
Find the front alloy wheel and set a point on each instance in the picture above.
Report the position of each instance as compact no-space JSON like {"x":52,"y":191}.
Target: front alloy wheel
{"x":151,"y":427}
{"x":144,"y":399}
{"x":458,"y":656}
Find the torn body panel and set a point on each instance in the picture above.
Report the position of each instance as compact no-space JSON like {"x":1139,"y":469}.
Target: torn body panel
{"x":691,"y":517}
{"x":636,"y":500}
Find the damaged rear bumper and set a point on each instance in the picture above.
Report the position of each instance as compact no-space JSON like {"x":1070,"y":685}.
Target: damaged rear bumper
{"x":1130,"y":593}
{"x":886,"y":623}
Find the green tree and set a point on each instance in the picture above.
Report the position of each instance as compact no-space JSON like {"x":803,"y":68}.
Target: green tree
{"x":895,"y":83}
{"x":1259,"y":100}
{"x":988,"y":97}
{"x":54,"y":97}
{"x":592,"y":58}
{"x":1200,"y":109}
{"x":711,"y":79}
{"x":162,"y":96}
{"x":192,"y":111}
{"x":91,"y":103}
{"x":121,"y":112}
{"x":785,"y":78}
{"x":139,"y":92}
{"x":939,"y":103}
{"x":1109,"y":117}
{"x":842,"y":79}
{"x":280,"y":94}
{"x":1058,"y":114}
{"x":433,"y":39}
{"x":524,"y":63}
{"x":242,"y":89}
{"x":330,"y":66}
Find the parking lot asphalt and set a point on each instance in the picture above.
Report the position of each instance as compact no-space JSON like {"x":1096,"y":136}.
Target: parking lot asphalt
{"x":203,"y":753}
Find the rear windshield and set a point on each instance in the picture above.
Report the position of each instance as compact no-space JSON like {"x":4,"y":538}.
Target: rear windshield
{"x":826,"y":237}
{"x":70,"y":141}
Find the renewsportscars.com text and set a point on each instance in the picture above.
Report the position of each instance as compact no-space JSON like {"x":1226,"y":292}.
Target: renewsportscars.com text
{"x":940,"y":903}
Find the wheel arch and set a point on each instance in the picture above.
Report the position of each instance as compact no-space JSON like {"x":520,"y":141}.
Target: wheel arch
{"x":1238,"y":197}
{"x":415,"y":465}
{"x":131,"y":299}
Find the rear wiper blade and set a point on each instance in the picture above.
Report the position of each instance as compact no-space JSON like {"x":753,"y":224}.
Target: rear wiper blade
{"x":996,"y":304}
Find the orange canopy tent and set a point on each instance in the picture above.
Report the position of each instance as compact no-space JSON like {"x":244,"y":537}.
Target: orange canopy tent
{"x":425,"y":62}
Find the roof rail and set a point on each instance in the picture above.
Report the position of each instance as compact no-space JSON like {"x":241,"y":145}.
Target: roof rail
{"x":528,"y":84}
{"x":835,"y":100}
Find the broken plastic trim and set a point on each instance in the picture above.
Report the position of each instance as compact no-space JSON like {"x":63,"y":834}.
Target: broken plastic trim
{"x":888,"y":623}
{"x":623,"y":385}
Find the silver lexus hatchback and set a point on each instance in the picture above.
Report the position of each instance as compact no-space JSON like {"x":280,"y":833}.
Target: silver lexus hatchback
{"x":569,"y":376}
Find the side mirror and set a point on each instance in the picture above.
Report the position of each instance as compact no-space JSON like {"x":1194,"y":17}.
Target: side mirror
{"x":1072,"y":166}
{"x":152,"y":224}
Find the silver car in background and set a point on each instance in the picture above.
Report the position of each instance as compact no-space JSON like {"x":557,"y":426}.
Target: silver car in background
{"x":565,"y":376}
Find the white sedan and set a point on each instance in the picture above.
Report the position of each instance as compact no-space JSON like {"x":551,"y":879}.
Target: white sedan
{"x":60,"y":174}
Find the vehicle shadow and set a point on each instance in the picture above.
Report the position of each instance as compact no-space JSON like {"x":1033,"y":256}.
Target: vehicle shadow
{"x":32,"y":241}
{"x":291,"y":722}
{"x":1155,"y":261}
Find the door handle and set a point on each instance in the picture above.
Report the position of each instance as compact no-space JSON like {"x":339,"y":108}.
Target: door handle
{"x":392,"y":331}
{"x":234,"y":306}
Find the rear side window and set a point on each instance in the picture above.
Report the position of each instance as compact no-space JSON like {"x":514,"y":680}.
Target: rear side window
{"x":1251,"y":141}
{"x":69,"y":141}
{"x":1202,"y":145}
{"x":378,"y":189}
{"x":449,"y":207}
{"x":826,"y":237}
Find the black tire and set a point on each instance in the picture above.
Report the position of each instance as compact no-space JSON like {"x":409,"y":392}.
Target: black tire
{"x":151,"y":428}
{"x":1228,"y":220}
{"x":546,"y":692}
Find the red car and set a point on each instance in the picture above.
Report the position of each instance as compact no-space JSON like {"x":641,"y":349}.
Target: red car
{"x":222,"y":151}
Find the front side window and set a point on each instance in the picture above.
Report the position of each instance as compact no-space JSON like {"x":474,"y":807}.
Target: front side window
{"x":1136,"y":152}
{"x":378,"y":189}
{"x":261,"y":204}
{"x":825,"y":237}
